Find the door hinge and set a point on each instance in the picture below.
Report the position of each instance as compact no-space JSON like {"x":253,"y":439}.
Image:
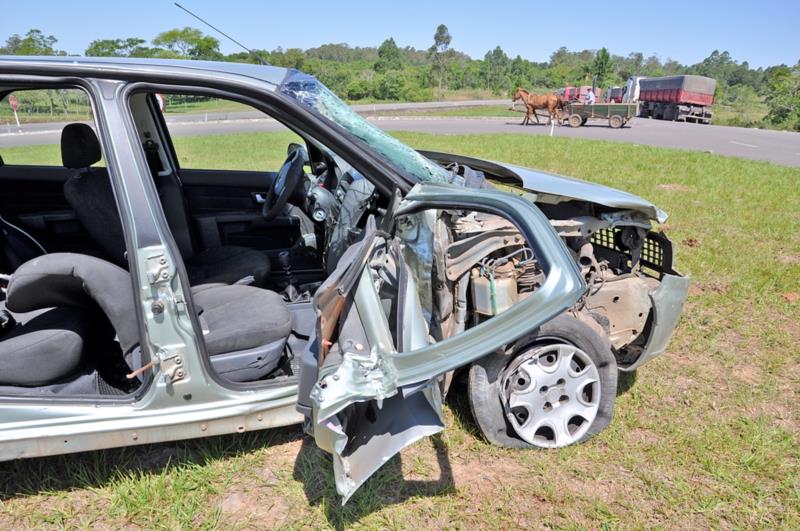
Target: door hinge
{"x":157,"y":268}
{"x":171,"y":362}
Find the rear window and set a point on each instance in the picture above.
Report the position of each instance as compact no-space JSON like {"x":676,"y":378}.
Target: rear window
{"x":32,"y":134}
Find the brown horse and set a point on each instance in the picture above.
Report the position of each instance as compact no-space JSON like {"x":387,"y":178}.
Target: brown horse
{"x":554,"y":104}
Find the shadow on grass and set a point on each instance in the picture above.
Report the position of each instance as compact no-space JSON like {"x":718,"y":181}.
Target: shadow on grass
{"x":313,"y":468}
{"x":625,"y":382}
{"x":90,"y":470}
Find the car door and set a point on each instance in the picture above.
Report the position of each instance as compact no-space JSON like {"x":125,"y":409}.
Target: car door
{"x":376,"y":382}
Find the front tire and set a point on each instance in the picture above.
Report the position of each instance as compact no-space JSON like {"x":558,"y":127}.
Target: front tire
{"x":552,"y":388}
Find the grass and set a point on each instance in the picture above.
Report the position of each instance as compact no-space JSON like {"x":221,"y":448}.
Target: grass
{"x":706,"y":436}
{"x":752,"y":114}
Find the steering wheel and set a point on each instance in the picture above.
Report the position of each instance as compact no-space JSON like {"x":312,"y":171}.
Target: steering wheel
{"x":286,"y":182}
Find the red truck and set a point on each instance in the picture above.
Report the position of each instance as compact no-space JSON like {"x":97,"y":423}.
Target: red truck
{"x":678,"y":98}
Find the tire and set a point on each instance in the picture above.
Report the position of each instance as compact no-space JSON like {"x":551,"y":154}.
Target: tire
{"x":575,"y":120}
{"x":490,"y":393}
{"x":616,"y":121}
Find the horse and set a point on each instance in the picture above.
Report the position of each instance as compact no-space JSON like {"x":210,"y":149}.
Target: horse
{"x":554,"y":104}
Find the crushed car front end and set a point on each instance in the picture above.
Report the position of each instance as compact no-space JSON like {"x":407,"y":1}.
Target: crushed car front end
{"x":635,"y":296}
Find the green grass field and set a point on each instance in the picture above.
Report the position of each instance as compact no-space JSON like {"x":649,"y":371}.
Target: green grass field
{"x":706,"y":436}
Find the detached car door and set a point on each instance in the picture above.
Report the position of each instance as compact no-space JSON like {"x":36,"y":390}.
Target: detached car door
{"x":374,"y":384}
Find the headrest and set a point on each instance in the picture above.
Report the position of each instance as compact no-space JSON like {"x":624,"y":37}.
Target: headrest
{"x":76,"y":281}
{"x":79,"y":146}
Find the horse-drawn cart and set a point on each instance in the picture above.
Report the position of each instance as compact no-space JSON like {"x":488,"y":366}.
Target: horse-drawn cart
{"x":617,"y":114}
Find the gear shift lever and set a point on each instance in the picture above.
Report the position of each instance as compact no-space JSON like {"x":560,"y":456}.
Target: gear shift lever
{"x":291,"y":289}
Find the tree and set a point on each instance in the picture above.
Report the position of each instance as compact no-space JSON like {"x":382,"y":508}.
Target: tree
{"x":130,"y":47}
{"x":189,"y":43}
{"x":440,"y":54}
{"x":783,"y":97}
{"x":33,"y":43}
{"x":389,"y":57}
{"x":496,"y":62}
{"x":602,"y":67}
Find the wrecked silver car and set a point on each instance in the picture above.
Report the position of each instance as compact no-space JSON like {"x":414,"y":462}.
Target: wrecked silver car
{"x":147,"y":299}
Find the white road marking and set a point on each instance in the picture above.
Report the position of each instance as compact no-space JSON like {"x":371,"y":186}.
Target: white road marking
{"x":742,"y":144}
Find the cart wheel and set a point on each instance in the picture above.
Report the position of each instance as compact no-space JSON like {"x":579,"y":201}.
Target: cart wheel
{"x":575,"y":120}
{"x":615,"y":121}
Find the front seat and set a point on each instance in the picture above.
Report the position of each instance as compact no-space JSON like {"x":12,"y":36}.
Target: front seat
{"x":88,"y":191}
{"x":244,"y":328}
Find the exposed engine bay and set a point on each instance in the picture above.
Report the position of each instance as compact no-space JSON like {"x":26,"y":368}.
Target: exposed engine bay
{"x":471,"y":266}
{"x":488,"y":267}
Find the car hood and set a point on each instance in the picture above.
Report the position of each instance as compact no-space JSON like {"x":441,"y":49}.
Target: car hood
{"x":552,"y":189}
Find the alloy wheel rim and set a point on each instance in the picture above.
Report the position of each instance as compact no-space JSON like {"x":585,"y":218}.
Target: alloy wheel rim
{"x":551,"y":394}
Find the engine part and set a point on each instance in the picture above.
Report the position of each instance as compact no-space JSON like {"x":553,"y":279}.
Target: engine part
{"x":493,"y":294}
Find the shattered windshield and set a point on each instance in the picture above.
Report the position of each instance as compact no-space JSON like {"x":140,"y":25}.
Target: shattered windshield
{"x":312,"y":94}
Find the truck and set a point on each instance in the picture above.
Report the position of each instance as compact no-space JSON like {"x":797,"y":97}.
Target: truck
{"x":614,"y":95}
{"x":686,"y":98}
{"x":577,"y":93}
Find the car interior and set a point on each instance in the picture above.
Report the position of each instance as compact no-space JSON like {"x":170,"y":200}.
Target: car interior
{"x":256,"y":245}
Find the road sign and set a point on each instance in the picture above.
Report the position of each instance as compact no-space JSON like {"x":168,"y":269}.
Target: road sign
{"x":12,"y":100}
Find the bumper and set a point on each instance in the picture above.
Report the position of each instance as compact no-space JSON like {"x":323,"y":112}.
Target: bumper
{"x":668,"y":301}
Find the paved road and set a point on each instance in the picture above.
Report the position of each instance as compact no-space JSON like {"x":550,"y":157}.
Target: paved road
{"x":775,"y":146}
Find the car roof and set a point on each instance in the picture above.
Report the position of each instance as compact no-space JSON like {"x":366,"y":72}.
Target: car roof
{"x":269,"y":74}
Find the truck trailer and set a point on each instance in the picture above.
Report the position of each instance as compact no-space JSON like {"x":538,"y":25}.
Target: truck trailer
{"x":678,"y":98}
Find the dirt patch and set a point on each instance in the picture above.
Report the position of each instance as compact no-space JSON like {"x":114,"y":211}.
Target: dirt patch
{"x":690,"y":242}
{"x":715,"y":286}
{"x":673,"y":187}
{"x":253,"y":508}
{"x":791,"y":297}
{"x":789,"y":259}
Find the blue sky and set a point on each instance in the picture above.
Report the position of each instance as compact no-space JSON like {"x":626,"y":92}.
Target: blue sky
{"x":763,"y":33}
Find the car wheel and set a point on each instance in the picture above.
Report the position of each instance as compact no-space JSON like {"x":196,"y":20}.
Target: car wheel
{"x":551,"y":388}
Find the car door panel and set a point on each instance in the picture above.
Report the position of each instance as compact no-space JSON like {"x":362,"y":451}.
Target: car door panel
{"x":360,"y":382}
{"x":225,"y":208}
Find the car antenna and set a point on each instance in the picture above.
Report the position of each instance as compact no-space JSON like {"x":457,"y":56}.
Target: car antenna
{"x":250,"y":51}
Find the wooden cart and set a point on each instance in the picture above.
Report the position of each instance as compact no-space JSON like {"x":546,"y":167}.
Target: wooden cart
{"x":617,"y":114}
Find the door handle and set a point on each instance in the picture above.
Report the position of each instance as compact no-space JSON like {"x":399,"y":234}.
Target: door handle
{"x":259,"y":197}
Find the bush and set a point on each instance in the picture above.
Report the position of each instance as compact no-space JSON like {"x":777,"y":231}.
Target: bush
{"x":414,"y":92}
{"x":358,"y":89}
{"x":389,"y":86}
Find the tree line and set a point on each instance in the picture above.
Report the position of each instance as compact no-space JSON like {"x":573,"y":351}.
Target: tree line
{"x":391,"y":72}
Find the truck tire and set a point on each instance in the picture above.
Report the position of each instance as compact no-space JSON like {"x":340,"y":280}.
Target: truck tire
{"x":575,"y":120}
{"x":492,"y":382}
{"x":616,"y":121}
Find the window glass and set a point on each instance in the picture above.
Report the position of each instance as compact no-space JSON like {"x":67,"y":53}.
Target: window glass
{"x":219,"y":134}
{"x":32,"y":134}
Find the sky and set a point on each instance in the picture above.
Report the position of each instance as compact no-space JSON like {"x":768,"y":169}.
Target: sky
{"x":763,"y":33}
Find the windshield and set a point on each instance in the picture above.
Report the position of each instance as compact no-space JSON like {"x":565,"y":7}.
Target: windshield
{"x":312,"y":94}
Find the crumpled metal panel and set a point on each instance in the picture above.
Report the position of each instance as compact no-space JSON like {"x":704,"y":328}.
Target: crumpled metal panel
{"x":367,"y":383}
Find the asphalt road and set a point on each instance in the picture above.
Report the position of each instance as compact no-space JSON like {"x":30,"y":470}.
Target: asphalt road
{"x":779,"y":147}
